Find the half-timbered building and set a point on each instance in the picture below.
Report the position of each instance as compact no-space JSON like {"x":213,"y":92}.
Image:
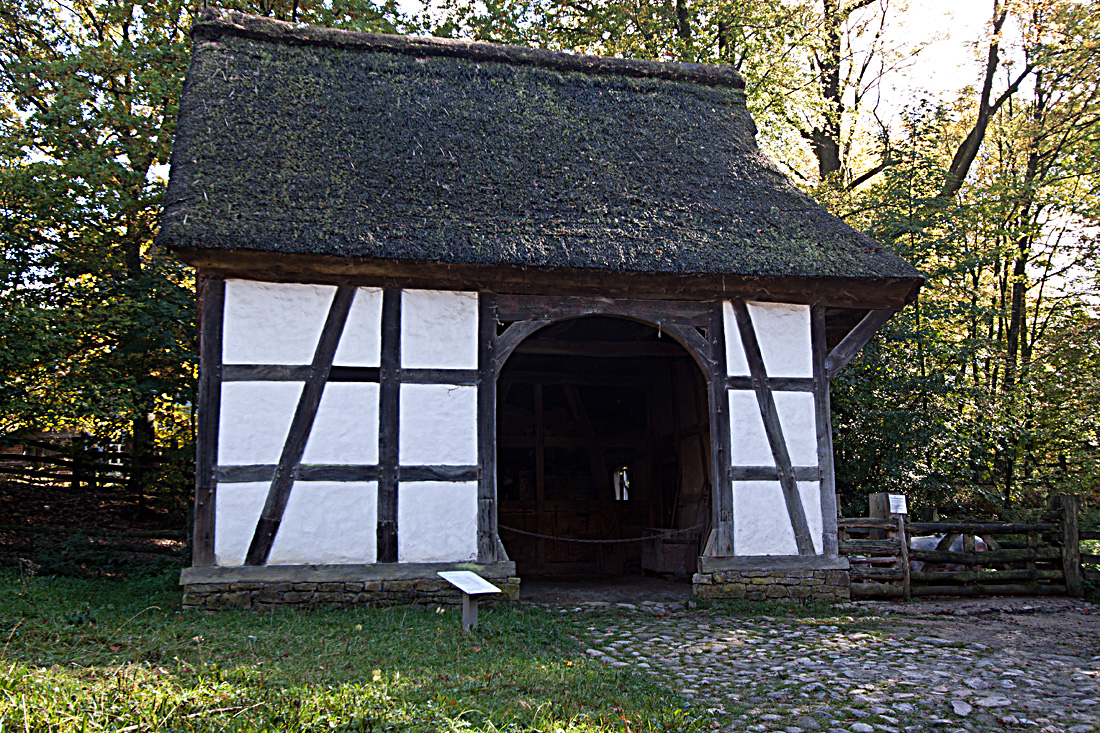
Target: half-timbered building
{"x":470,"y":306}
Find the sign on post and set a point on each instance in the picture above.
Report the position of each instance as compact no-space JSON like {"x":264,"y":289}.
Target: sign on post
{"x":472,"y":586}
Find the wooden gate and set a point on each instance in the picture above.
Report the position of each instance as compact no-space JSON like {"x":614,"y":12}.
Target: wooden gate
{"x":1019,"y":558}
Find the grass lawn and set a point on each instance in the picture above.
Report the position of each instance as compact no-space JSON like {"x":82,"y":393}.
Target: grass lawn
{"x":112,"y":655}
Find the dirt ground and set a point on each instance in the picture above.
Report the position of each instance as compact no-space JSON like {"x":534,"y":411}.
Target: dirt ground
{"x":1048,"y":625}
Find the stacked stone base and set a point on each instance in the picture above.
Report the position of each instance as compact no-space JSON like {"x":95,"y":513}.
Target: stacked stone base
{"x":335,"y":586}
{"x":784,"y":585}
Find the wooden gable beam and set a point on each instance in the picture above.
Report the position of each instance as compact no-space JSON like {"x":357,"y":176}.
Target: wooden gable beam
{"x":856,"y":339}
{"x":774,"y":430}
{"x":300,"y":426}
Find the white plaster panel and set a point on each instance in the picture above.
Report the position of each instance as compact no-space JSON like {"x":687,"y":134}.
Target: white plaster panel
{"x":749,"y":444}
{"x":438,"y":425}
{"x":748,"y":440}
{"x":736,"y":363}
{"x":436,"y":521}
{"x":361,"y":342}
{"x":762,"y":525}
{"x":328,"y":522}
{"x":237,"y":509}
{"x":273,"y":323}
{"x":783,"y":331}
{"x":255,"y":419}
{"x":810,"y":491}
{"x":438,"y":329}
{"x":799,"y":421}
{"x":345,"y":430}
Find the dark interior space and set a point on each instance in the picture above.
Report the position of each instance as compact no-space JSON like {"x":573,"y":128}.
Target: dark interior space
{"x":603,"y":433}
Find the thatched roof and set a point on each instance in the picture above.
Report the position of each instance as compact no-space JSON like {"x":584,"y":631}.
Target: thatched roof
{"x":303,"y":140}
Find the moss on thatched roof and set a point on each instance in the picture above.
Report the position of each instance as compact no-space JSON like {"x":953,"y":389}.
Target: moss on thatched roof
{"x":306,"y":140}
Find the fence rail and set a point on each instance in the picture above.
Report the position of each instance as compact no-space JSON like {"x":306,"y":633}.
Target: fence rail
{"x":892,"y":557}
{"x":77,"y":460}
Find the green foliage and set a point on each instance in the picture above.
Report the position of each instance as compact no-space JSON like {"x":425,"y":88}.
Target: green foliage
{"x":977,"y":400}
{"x":99,"y":329}
{"x":97,"y":655}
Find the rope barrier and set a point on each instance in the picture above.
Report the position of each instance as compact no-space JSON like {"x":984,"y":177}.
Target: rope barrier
{"x":661,"y":535}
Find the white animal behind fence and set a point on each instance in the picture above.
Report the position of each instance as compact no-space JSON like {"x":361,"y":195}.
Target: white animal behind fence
{"x":932,"y":542}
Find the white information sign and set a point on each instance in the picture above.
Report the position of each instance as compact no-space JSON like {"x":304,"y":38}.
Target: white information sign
{"x":468,"y":582}
{"x":897,"y":504}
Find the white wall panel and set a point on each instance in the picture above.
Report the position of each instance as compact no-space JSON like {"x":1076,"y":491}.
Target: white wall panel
{"x":437,"y":425}
{"x":361,"y":343}
{"x":345,"y":431}
{"x":783,"y":331}
{"x":736,"y":363}
{"x":254,"y":422}
{"x":762,"y":525}
{"x":437,"y":521}
{"x":799,"y":422}
{"x":748,"y":441}
{"x":749,"y":444}
{"x":328,"y":522}
{"x":237,"y":508}
{"x":438,"y":329}
{"x":273,"y":323}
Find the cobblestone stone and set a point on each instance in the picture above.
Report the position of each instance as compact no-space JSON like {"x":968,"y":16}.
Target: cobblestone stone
{"x":847,"y":674}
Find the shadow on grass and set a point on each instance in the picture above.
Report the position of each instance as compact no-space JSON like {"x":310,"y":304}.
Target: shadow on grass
{"x":90,"y":655}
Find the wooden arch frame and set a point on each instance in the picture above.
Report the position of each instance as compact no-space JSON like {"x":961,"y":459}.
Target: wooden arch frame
{"x":686,"y":322}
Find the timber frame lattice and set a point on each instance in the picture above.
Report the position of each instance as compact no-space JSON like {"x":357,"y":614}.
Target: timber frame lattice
{"x":504,"y":322}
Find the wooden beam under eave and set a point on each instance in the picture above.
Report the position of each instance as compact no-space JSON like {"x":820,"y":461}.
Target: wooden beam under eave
{"x":846,"y":292}
{"x":856,"y":339}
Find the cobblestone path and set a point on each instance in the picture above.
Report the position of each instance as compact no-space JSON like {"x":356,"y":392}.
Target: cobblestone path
{"x":848,"y":674}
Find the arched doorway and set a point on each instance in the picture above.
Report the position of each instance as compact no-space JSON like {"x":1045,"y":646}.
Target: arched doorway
{"x":603,"y":433}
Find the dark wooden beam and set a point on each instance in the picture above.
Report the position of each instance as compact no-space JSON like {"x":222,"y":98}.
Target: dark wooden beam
{"x":856,"y":339}
{"x":265,"y":372}
{"x":776,"y":384}
{"x":353,"y":374}
{"x":504,"y":344}
{"x":319,"y":472}
{"x":602,"y":349}
{"x":594,"y":283}
{"x":695,"y":343}
{"x":771,"y":473}
{"x":211,"y":312}
{"x":487,"y":541}
{"x":720,"y":543}
{"x":774,"y":429}
{"x":519,"y":376}
{"x":824,"y":420}
{"x":241,"y":474}
{"x":555,"y":308}
{"x":438,"y":376}
{"x":438,"y":473}
{"x":349,"y":472}
{"x":388,"y":415}
{"x":293,"y":373}
{"x":300,"y":426}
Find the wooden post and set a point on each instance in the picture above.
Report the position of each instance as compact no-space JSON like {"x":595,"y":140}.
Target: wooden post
{"x":77,"y":472}
{"x":1069,"y":505}
{"x":903,"y":538}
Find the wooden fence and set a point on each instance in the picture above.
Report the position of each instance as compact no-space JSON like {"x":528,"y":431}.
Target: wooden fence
{"x":1020,"y":558}
{"x":76,"y":461}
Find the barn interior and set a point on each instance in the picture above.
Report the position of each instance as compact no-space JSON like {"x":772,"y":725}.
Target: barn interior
{"x":602,"y":434}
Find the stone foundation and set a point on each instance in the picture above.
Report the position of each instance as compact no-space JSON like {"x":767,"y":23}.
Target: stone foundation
{"x":335,"y":585}
{"x":773,"y":579}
